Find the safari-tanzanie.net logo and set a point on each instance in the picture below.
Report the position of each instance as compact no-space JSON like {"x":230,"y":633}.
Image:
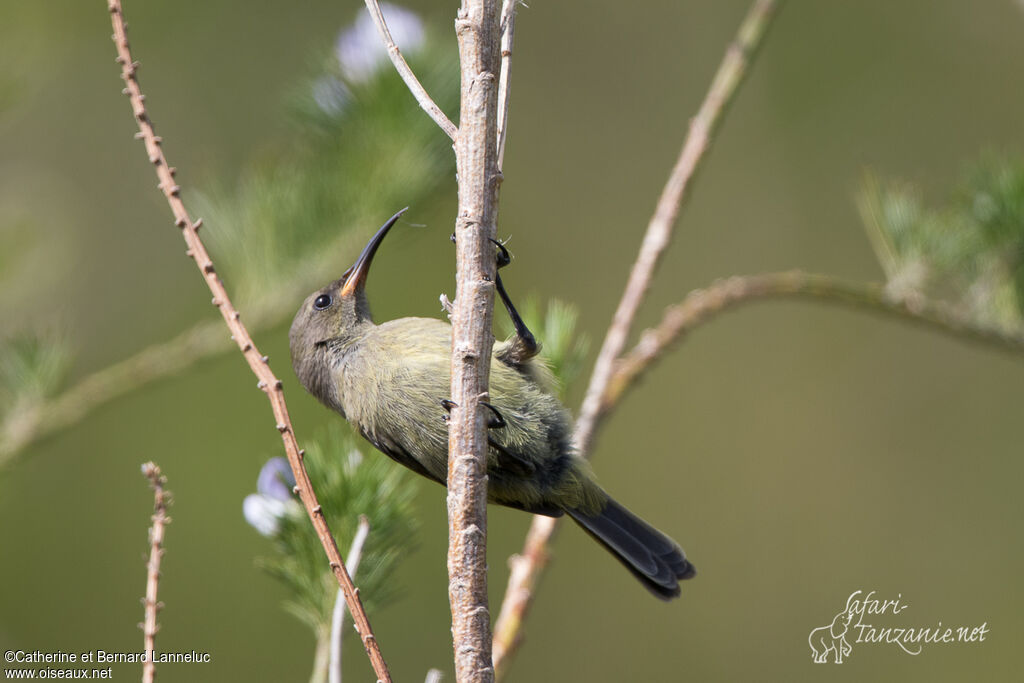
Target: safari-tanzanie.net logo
{"x":872,"y":620}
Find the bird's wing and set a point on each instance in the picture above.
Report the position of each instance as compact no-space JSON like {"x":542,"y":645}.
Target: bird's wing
{"x":397,"y":452}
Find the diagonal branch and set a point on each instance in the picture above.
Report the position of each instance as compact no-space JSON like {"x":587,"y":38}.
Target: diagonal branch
{"x":702,"y":304}
{"x":659,"y":231}
{"x":161,"y":499}
{"x":528,"y":565}
{"x":268,"y":382}
{"x":415,"y":87}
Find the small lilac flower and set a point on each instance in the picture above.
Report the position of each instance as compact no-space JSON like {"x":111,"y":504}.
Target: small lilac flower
{"x":274,"y":501}
{"x":360,"y":50}
{"x":276,"y":479}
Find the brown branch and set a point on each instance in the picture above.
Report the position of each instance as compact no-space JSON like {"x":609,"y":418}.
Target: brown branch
{"x":524,"y":577}
{"x":702,"y":304}
{"x":415,"y":87}
{"x":161,"y":499}
{"x":267,"y":381}
{"x":478,"y":30}
{"x":659,"y":231}
{"x":202,"y":340}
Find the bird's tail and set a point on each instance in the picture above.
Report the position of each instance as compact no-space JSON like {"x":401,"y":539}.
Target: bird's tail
{"x":650,"y":555}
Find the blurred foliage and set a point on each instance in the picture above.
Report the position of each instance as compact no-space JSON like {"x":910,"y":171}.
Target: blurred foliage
{"x":360,"y":149}
{"x":968,"y":253}
{"x":32,"y":367}
{"x":347,"y":486}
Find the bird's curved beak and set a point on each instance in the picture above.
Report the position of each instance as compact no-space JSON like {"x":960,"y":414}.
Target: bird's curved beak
{"x":356,"y":275}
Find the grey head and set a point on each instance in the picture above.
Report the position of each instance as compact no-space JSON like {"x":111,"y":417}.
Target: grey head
{"x":332,"y":317}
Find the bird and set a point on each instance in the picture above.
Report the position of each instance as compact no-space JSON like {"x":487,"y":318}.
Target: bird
{"x":391,"y":382}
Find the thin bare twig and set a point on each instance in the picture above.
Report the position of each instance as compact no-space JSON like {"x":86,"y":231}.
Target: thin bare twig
{"x":477,"y":27}
{"x":527,"y":567}
{"x":338,"y":615}
{"x":267,"y":381}
{"x":161,"y":499}
{"x":508,"y":29}
{"x":702,"y":304}
{"x":415,"y":87}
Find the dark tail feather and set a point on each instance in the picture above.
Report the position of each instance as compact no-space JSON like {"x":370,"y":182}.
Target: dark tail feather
{"x":650,"y":555}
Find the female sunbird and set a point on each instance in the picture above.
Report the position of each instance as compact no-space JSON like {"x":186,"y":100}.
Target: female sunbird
{"x":391,"y":382}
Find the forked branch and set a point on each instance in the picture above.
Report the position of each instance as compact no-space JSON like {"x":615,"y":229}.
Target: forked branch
{"x":702,"y":304}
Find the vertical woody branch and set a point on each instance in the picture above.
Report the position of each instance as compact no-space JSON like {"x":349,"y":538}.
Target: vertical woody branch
{"x":478,"y":29}
{"x":161,"y":496}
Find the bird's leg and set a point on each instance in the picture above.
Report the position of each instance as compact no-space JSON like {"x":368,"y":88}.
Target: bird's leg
{"x":496,"y":421}
{"x":524,"y":346}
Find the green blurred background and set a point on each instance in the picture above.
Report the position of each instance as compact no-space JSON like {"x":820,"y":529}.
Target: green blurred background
{"x":798,"y":452}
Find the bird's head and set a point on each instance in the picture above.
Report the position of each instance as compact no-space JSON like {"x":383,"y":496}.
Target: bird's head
{"x":335,"y":313}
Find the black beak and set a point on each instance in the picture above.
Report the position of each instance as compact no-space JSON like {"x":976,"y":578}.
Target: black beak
{"x":356,"y":275}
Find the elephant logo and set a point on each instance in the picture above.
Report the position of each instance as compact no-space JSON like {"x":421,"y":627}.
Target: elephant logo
{"x":832,"y":638}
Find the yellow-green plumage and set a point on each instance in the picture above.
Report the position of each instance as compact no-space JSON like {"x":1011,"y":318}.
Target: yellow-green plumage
{"x":392,"y":388}
{"x":390,"y":382}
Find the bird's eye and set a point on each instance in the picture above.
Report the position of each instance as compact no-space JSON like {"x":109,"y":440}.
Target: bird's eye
{"x":322,"y":302}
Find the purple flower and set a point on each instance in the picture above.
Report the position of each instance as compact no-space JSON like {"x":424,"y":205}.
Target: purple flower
{"x":276,"y":479}
{"x":361,"y":51}
{"x":274,"y":501}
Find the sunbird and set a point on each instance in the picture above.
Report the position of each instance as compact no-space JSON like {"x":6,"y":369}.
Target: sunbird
{"x":391,"y":382}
